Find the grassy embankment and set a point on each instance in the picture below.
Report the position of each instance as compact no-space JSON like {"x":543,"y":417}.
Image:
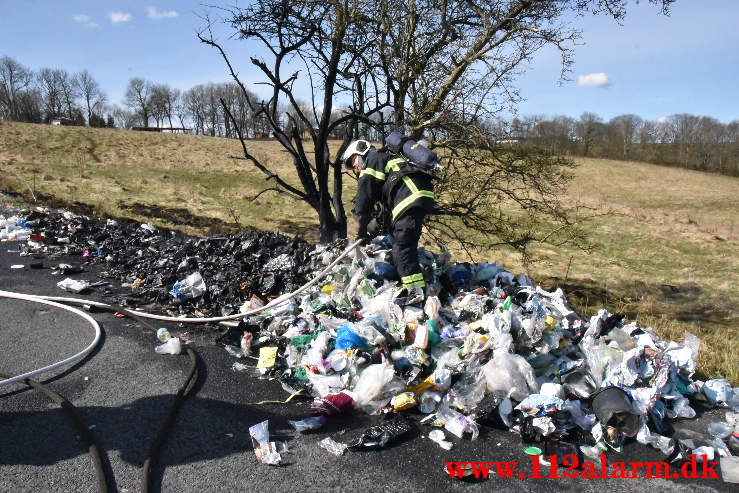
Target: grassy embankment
{"x":667,"y":254}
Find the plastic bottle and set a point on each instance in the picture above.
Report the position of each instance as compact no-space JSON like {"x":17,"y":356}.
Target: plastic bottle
{"x":163,"y":335}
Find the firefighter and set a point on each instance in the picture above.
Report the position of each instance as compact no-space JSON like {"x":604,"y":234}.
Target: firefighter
{"x":405,"y":197}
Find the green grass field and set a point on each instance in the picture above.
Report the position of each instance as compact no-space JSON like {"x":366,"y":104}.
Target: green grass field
{"x":666,"y":250}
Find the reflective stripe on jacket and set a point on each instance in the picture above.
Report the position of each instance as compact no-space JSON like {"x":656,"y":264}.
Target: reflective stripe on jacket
{"x":411,"y":190}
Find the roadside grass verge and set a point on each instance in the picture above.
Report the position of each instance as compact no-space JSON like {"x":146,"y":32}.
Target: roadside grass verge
{"x":665,"y":240}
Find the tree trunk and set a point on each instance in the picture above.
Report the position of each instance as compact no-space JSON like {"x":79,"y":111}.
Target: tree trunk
{"x":328,"y":228}
{"x":341,"y":223}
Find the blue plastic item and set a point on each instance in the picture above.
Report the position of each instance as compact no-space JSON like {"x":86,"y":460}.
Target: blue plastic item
{"x":459,"y":274}
{"x":346,"y":338}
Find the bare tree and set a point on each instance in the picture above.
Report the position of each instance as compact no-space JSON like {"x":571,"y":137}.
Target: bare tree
{"x":50,"y":83}
{"x":626,"y":130}
{"x":194,"y":101}
{"x":443,"y":68}
{"x":158,"y":103}
{"x":15,"y":79}
{"x":69,"y":94}
{"x":138,"y":98}
{"x":91,"y":93}
{"x":327,"y":40}
{"x":587,"y":129}
{"x":124,"y":118}
{"x":171,"y":102}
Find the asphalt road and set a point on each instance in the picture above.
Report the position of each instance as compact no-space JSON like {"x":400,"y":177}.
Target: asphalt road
{"x":124,"y":389}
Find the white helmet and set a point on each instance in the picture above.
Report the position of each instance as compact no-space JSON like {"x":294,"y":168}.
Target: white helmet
{"x":360,"y":147}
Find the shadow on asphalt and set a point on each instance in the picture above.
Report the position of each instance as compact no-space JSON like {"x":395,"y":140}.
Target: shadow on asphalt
{"x":128,"y":430}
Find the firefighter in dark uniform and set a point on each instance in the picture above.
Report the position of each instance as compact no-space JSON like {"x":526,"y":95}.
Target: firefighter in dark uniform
{"x":406,"y":198}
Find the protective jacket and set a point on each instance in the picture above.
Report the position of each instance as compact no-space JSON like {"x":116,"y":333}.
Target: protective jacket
{"x":385,"y":179}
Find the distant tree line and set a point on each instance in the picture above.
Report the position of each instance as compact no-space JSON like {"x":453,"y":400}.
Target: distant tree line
{"x":683,"y":140}
{"x":77,"y":99}
{"x":50,"y":93}
{"x":694,"y":142}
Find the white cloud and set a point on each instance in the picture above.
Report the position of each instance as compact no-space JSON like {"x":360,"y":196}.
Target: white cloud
{"x":598,"y":79}
{"x":116,"y":17}
{"x":663,"y":119}
{"x":153,"y":13}
{"x":84,"y":20}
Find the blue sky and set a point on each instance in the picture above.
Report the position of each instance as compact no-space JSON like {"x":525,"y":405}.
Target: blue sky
{"x":652,"y":66}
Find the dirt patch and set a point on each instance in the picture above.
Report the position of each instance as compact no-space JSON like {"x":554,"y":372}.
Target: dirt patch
{"x":183,"y":217}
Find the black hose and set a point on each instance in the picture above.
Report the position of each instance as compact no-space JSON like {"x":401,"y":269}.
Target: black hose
{"x":70,"y":411}
{"x":153,"y":453}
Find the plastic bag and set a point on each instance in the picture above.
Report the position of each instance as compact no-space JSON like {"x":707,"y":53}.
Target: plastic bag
{"x":718,"y":391}
{"x":192,"y":286}
{"x":593,"y":349}
{"x":333,"y":446}
{"x":326,"y":384}
{"x":720,"y":430}
{"x":439,"y":438}
{"x":510,"y":372}
{"x":372,"y":388}
{"x":552,"y":390}
{"x":314,"y":356}
{"x":662,"y":443}
{"x":584,"y":421}
{"x":456,"y":423}
{"x":265,"y":450}
{"x":307,"y":424}
{"x":681,"y":409}
{"x":172,"y":346}
{"x":429,"y":401}
{"x":73,"y":286}
{"x":346,"y":338}
{"x":367,"y":330}
{"x":469,"y":390}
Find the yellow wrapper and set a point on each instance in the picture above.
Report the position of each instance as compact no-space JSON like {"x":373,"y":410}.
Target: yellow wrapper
{"x":550,"y":321}
{"x":422,"y":387}
{"x":267,"y":357}
{"x":403,"y":401}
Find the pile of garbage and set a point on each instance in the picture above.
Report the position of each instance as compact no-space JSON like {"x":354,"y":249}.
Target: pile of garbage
{"x":486,"y":348}
{"x":208,"y":276}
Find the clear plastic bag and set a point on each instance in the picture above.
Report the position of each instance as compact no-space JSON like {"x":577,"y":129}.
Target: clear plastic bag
{"x":439,"y":438}
{"x":456,"y":423}
{"x":469,"y":390}
{"x":312,"y":423}
{"x":192,"y":286}
{"x":373,"y":387}
{"x":333,"y":446}
{"x":318,"y":347}
{"x":510,"y":373}
{"x":172,"y":346}
{"x":265,"y":450}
